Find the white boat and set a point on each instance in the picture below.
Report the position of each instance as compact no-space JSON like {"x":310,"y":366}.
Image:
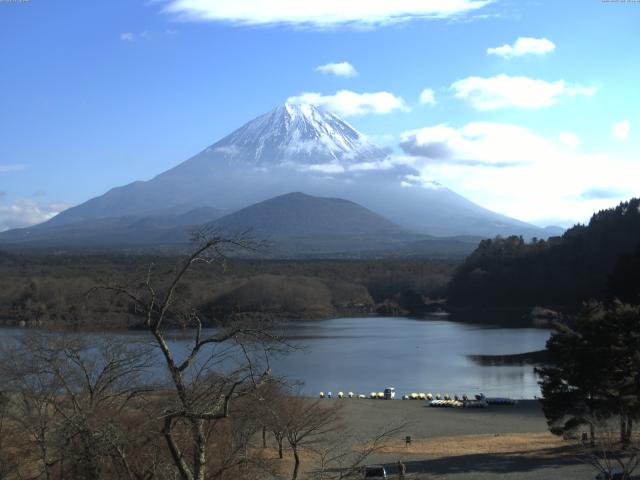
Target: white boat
{"x":446,"y":403}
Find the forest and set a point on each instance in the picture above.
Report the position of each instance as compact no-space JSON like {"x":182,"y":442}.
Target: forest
{"x":52,"y":290}
{"x":599,"y":260}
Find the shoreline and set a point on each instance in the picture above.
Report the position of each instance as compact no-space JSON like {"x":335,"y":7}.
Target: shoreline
{"x":505,"y":317}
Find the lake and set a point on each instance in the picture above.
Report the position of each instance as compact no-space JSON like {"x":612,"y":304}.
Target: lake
{"x":412,"y":355}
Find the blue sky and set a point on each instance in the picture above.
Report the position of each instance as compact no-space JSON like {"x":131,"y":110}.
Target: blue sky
{"x":546,"y":129}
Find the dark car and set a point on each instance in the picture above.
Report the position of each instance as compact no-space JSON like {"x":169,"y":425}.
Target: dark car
{"x":374,"y":471}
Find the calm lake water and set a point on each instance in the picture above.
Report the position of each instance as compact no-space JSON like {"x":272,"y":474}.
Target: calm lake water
{"x":412,"y":355}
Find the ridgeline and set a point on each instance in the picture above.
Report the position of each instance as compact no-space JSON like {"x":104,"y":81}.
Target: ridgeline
{"x":600,"y":260}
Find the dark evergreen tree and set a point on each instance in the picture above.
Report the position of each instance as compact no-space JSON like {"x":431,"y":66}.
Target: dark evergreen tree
{"x":594,"y":370}
{"x":624,"y":282}
{"x":593,"y":261}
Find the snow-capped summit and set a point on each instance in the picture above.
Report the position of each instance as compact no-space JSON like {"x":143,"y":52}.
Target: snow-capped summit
{"x":299,"y":133}
{"x":297,"y":148}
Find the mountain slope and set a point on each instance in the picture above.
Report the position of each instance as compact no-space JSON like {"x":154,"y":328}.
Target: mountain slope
{"x":297,"y":224}
{"x":298,"y":148}
{"x":266,"y":157}
{"x":294,"y":225}
{"x":125,"y":231}
{"x":300,"y":215}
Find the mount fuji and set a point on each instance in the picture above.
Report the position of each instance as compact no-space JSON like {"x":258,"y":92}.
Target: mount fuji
{"x":293,"y":148}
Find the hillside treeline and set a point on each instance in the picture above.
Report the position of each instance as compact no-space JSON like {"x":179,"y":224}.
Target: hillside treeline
{"x":599,"y":260}
{"x":53,"y":289}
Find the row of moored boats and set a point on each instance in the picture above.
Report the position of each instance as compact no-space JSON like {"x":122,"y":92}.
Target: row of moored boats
{"x":437,"y":400}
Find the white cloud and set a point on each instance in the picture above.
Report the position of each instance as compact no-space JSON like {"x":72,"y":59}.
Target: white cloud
{"x":26,"y":211}
{"x":127,"y":36}
{"x":545,"y":179}
{"x":342,"y":69}
{"x":388,"y":163}
{"x":324,"y":168}
{"x":427,"y":97}
{"x":320,"y":13}
{"x":475,"y":144}
{"x":504,"y":91}
{"x":621,"y":129}
{"x":523,"y":46}
{"x":599,"y":193}
{"x":347,"y":103}
{"x":7,"y":168}
{"x":569,"y":139}
{"x":575,"y":90}
{"x":347,"y":166}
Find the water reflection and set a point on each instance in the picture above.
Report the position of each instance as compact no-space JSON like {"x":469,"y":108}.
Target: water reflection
{"x":428,"y":355}
{"x":413,"y":355}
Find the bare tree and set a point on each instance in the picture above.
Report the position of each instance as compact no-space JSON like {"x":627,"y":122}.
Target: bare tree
{"x":307,"y":423}
{"x":235,"y":444}
{"x":8,"y":462}
{"x":343,"y":455}
{"x":272,"y":414}
{"x":607,"y":453}
{"x":206,"y":379}
{"x":66,"y":401}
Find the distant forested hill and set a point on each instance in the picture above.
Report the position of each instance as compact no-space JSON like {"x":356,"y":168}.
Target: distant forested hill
{"x":599,"y":260}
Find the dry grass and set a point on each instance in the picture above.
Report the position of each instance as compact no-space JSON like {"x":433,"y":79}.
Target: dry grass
{"x":517,"y":443}
{"x":284,"y":466}
{"x":537,"y":444}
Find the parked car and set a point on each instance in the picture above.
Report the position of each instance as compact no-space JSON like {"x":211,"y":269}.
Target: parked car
{"x":374,"y":471}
